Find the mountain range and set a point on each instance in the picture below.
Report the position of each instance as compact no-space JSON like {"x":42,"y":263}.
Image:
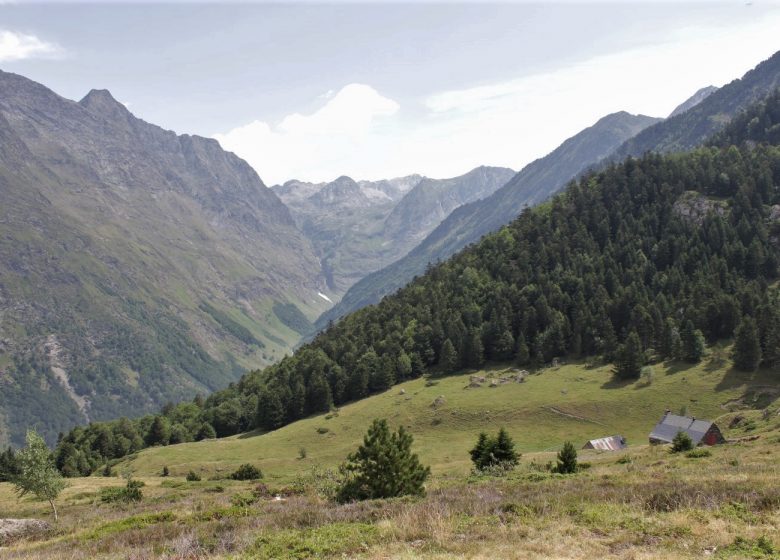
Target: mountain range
{"x":612,"y":139}
{"x":137,"y":266}
{"x":357,"y":227}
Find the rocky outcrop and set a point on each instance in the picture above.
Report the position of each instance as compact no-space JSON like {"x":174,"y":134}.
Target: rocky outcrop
{"x":693,"y":207}
{"x":14,"y":529}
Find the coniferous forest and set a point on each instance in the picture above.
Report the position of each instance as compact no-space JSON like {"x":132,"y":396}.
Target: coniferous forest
{"x":650,"y":259}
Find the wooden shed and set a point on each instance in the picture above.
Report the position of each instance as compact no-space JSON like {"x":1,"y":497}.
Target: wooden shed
{"x":610,"y":443}
{"x":702,"y":432}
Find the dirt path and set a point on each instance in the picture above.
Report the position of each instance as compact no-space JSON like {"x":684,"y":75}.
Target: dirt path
{"x":572,"y":416}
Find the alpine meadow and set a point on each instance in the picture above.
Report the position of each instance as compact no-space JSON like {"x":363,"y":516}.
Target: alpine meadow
{"x":404,"y":348}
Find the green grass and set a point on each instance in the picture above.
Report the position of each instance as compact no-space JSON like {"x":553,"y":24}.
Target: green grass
{"x":567,"y":403}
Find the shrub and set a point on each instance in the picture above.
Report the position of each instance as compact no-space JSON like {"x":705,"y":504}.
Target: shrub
{"x":567,"y":459}
{"x":682,"y":442}
{"x":698,"y":453}
{"x":302,"y":453}
{"x":247,"y":472}
{"x":130,"y":493}
{"x":165,"y":471}
{"x":192,"y":476}
{"x":383,"y":467}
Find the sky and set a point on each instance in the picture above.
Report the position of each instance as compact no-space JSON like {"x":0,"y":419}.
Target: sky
{"x":312,"y":91}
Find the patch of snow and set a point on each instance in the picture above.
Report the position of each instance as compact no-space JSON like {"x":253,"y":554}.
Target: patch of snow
{"x":323,"y":296}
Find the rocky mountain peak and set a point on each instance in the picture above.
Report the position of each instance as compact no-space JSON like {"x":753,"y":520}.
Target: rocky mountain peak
{"x":101,"y":102}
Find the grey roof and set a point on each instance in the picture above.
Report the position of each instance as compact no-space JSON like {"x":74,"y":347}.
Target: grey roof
{"x":670,"y":424}
{"x":611,"y":443}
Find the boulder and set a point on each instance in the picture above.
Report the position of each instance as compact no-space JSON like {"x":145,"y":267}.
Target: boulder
{"x":14,"y":529}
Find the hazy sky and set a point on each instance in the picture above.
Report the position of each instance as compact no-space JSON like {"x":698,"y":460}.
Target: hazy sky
{"x":314,"y":91}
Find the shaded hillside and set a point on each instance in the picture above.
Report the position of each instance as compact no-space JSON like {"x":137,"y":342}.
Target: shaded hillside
{"x":136,"y":266}
{"x":357,"y":227}
{"x":467,"y":224}
{"x":641,"y":262}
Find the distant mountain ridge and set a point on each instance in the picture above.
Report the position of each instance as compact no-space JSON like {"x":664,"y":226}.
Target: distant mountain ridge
{"x":137,"y":266}
{"x":357,"y":227}
{"x":693,"y":100}
{"x":465,"y":225}
{"x":695,"y":120}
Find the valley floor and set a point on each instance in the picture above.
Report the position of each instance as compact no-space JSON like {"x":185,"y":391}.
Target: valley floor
{"x":640,"y":503}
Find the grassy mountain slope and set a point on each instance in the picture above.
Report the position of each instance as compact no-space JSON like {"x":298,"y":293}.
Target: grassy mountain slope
{"x":136,"y":266}
{"x":359,"y":227}
{"x":533,"y":184}
{"x":571,"y":402}
{"x":640,"y":503}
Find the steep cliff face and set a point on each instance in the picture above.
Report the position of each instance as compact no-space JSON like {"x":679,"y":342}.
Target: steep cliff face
{"x":156,"y":262}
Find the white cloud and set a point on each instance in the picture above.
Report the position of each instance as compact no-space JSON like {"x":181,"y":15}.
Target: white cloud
{"x":316,"y":145}
{"x":361,"y":133}
{"x":20,"y":46}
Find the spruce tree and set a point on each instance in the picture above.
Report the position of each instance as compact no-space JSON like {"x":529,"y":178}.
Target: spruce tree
{"x":567,"y":459}
{"x":522,"y":356}
{"x":383,"y":467}
{"x":481,"y":451}
{"x":692,"y":343}
{"x":475,"y":351}
{"x":629,"y":358}
{"x":448,"y":360}
{"x":504,"y":449}
{"x":681,"y":442}
{"x":747,"y":347}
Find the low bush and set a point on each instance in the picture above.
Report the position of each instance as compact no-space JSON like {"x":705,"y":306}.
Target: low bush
{"x":192,"y":476}
{"x":130,"y":493}
{"x":698,"y":453}
{"x":247,"y":472}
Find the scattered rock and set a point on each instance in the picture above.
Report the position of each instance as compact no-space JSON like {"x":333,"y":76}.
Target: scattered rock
{"x":438,"y":401}
{"x":402,"y":392}
{"x":493,"y":383}
{"x":13,"y":529}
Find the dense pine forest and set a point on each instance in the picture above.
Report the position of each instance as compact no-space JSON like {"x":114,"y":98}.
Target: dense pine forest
{"x":646,"y":260}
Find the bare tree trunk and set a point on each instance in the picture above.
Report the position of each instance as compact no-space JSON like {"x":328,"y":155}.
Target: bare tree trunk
{"x":54,"y":509}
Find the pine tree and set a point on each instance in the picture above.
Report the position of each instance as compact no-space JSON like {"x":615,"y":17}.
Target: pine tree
{"x":567,"y":459}
{"x":383,"y":467}
{"x":8,"y":465}
{"x":489,"y":451}
{"x":747,"y":347}
{"x":481,"y":451}
{"x":629,"y":358}
{"x":448,"y":360}
{"x":522,"y":355}
{"x":692,"y":343}
{"x":474,"y":350}
{"x":504,"y":449}
{"x":682,"y":442}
